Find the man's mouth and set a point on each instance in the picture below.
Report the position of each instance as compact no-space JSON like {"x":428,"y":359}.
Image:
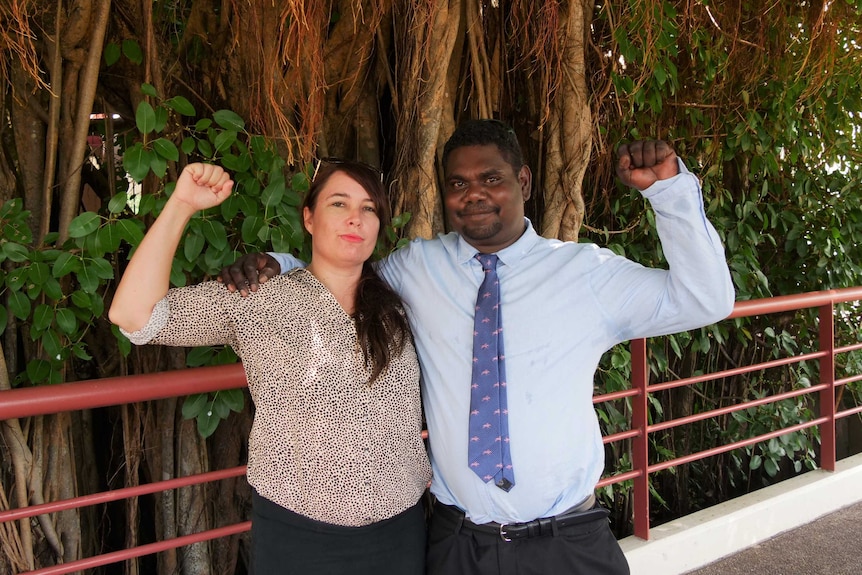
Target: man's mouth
{"x":477,"y":212}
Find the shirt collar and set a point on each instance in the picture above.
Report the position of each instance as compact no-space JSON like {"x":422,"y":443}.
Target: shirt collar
{"x":510,"y":255}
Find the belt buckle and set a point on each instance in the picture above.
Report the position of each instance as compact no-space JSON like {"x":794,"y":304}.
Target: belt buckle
{"x":503,"y":535}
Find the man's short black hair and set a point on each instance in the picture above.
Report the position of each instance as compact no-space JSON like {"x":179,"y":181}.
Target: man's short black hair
{"x":483,"y":133}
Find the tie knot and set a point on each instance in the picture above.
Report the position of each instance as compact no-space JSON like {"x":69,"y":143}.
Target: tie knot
{"x":488,"y":261}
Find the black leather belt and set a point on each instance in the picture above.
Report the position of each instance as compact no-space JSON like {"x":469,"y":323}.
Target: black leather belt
{"x":581,"y":513}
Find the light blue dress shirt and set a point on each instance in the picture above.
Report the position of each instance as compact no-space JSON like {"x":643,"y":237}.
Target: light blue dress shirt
{"x":564,"y":304}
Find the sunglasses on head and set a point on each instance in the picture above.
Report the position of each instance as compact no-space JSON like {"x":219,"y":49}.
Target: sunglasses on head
{"x":342,"y":162}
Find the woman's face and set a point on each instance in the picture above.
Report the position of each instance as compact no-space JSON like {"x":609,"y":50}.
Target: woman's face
{"x":343,"y":223}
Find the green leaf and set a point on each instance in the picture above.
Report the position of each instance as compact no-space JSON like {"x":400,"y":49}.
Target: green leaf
{"x":66,"y":263}
{"x":770,"y":466}
{"x":233,"y":398}
{"x":38,"y":370}
{"x":123,"y":342}
{"x":17,"y":278}
{"x":194,"y":405}
{"x":145,"y":117}
{"x":215,"y":233}
{"x":229,"y":120}
{"x":118,"y":203}
{"x":79,"y":351}
{"x":300,"y":182}
{"x":219,"y":407}
{"x":112,"y":54}
{"x":132,"y":50}
{"x":193,"y":246}
{"x":84,"y":224}
{"x":250,"y":228}
{"x":97,"y":305}
{"x":273,"y":193}
{"x":52,"y":289}
{"x":207,"y":423}
{"x":180,"y":105}
{"x":224,"y":141}
{"x":205,"y":148}
{"x":88,"y":280}
{"x":203,"y":124}
{"x":81,"y":299}
{"x":42,"y":317}
{"x":66,"y":321}
{"x":102,"y":268}
{"x":161,"y":119}
{"x":130,"y":231}
{"x":158,"y":165}
{"x":178,"y":277}
{"x":4,"y":318}
{"x":755,"y":462}
{"x":19,"y":305}
{"x":39,"y":273}
{"x":188,"y":145}
{"x":149,"y":90}
{"x":108,"y":238}
{"x":15,"y":252}
{"x":52,"y":346}
{"x":166,"y":149}
{"x":136,"y":161}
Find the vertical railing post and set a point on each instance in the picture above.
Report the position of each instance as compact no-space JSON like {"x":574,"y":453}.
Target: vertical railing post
{"x":828,"y":453}
{"x":640,"y":444}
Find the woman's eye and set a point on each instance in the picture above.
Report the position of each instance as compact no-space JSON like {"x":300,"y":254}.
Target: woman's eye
{"x":371,"y":209}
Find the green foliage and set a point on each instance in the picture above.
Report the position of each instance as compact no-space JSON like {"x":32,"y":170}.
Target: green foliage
{"x":768,"y":116}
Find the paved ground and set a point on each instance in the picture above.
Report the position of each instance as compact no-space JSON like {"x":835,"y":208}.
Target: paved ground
{"x":832,"y":545}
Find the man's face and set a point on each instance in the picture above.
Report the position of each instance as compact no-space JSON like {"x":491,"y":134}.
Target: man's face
{"x":484,"y":197}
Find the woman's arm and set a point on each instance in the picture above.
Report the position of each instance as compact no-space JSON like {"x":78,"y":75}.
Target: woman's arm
{"x":147,"y":276}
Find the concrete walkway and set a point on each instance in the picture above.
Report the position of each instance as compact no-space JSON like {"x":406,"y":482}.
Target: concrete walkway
{"x":808,"y":525}
{"x":830,"y":545}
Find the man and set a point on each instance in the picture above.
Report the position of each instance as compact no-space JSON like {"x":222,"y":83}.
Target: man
{"x":561,"y":306}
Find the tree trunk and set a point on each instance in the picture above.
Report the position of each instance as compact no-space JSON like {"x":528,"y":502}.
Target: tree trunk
{"x":568,"y":133}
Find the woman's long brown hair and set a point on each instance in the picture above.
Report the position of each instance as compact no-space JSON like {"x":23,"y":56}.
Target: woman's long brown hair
{"x":381,"y":325}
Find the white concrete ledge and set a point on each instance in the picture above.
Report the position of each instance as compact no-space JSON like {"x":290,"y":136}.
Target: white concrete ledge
{"x":706,"y":536}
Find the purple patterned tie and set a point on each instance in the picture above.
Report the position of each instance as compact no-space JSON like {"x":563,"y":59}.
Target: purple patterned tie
{"x":488,"y":451}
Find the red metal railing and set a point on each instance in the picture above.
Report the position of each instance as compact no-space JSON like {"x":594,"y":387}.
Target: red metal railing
{"x":641,"y":429}
{"x":29,"y":402}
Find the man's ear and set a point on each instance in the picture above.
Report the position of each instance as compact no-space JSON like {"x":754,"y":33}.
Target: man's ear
{"x":525,"y":178}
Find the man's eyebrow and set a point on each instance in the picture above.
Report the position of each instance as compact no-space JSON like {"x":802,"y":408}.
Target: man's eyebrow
{"x":493,"y":171}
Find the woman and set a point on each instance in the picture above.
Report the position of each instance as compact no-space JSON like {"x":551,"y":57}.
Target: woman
{"x":336,"y":461}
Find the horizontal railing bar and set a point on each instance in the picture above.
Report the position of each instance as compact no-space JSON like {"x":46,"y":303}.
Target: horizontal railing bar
{"x":122,"y":493}
{"x":615,"y":395}
{"x":736,"y":445}
{"x":849,"y":412}
{"x":631,"y":433}
{"x":736,"y":371}
{"x":619,"y":478}
{"x":794,"y":302}
{"x":671,"y":423}
{"x":45,"y":399}
{"x":846,"y":380}
{"x":149,"y":549}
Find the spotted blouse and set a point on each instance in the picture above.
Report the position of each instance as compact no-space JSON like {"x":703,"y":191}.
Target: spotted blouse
{"x":324,"y":443}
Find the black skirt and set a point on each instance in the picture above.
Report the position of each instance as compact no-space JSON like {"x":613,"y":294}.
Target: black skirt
{"x":286,"y":543}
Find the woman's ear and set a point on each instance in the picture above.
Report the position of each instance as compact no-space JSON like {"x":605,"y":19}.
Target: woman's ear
{"x":306,"y":220}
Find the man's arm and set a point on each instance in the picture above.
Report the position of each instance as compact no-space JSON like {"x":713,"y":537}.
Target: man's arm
{"x":251,"y":270}
{"x":697,"y":289}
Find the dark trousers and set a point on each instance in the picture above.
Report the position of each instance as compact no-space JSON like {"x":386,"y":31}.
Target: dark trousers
{"x":589,"y":548}
{"x":286,"y":543}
